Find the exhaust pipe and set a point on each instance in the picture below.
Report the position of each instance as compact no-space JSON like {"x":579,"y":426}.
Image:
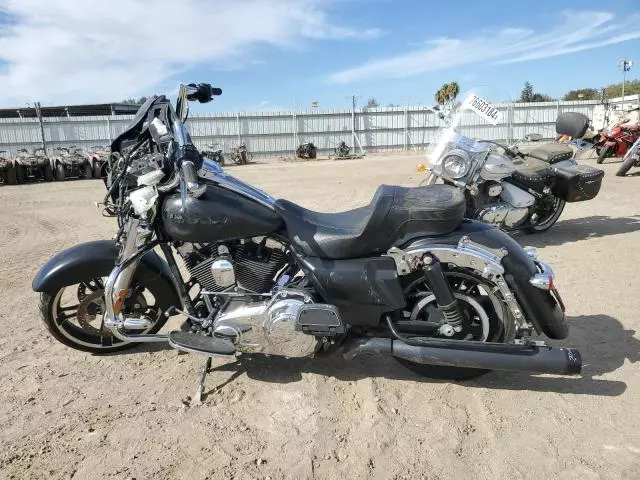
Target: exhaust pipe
{"x":490,"y":356}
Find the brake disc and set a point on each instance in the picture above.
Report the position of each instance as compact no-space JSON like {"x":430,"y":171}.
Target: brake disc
{"x":91,"y":306}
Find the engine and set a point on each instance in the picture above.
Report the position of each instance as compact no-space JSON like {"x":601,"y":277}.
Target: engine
{"x":289,"y":323}
{"x":504,"y":205}
{"x":252,"y":266}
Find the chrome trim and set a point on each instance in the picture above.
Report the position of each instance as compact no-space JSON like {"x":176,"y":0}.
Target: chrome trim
{"x":532,"y":252}
{"x":211,"y":172}
{"x":120,"y":279}
{"x":468,"y":254}
{"x":544,"y":279}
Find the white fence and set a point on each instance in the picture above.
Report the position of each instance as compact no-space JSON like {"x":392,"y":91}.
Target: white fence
{"x":279,"y":133}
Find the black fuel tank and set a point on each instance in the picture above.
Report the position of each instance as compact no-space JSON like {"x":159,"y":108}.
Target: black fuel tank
{"x":217,"y":215}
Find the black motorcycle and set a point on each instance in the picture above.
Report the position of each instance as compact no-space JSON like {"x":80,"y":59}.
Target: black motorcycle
{"x":405,"y":276}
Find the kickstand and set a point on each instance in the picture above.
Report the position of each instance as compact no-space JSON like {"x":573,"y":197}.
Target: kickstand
{"x":197,"y":398}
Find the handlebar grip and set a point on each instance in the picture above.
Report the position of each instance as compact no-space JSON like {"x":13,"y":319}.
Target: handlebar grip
{"x":194,"y":188}
{"x":215,"y":91}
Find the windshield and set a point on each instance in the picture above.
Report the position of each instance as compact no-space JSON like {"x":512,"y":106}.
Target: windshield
{"x":462,"y":127}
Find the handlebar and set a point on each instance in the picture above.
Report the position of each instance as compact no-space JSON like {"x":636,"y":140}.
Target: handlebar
{"x":188,"y":156}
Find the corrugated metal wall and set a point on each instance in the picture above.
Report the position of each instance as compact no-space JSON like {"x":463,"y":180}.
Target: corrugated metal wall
{"x":278,"y":133}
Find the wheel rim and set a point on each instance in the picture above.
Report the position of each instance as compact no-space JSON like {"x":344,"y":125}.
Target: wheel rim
{"x":477,"y":300}
{"x":553,"y":212}
{"x":81,"y":322}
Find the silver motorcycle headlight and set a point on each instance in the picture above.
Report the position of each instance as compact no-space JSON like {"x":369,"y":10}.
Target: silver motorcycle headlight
{"x":456,"y":163}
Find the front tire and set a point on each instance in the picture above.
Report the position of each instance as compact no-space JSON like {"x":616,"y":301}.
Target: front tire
{"x":605,"y":152}
{"x":626,"y":166}
{"x":80,"y":326}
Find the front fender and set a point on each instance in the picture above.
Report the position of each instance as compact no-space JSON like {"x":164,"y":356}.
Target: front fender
{"x":97,"y":259}
{"x":539,"y":306}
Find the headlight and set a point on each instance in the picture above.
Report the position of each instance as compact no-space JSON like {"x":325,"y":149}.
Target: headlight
{"x":456,"y":163}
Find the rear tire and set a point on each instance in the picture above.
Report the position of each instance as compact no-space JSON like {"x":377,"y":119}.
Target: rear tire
{"x":550,"y":221}
{"x":59,"y":173}
{"x":626,"y":166}
{"x":97,"y":170}
{"x":21,"y":174}
{"x":12,"y":178}
{"x":87,"y":172}
{"x":48,"y":173}
{"x":501,"y":325}
{"x":442,"y":373}
{"x":605,"y":152}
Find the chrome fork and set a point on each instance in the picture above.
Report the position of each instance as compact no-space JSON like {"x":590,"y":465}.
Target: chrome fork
{"x":117,"y":286}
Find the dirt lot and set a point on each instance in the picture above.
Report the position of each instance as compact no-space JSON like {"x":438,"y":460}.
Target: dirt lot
{"x":67,"y":414}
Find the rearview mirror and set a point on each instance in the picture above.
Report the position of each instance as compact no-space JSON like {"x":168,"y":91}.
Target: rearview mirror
{"x":202,"y":92}
{"x":533,"y":137}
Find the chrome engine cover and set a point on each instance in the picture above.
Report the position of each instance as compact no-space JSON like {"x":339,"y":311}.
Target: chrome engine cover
{"x":504,"y":215}
{"x":268,"y":327}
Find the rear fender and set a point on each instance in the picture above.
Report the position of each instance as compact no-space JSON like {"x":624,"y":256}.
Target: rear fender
{"x":97,"y":259}
{"x":539,"y":306}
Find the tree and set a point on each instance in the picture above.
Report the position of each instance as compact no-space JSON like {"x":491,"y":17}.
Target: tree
{"x":372,"y":103}
{"x":615,"y":90}
{"x":133,"y":101}
{"x":541,"y":97}
{"x":528,"y":95}
{"x":582,"y":94}
{"x":447,"y":93}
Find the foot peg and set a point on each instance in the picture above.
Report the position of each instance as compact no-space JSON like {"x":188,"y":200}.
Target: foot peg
{"x":197,"y":343}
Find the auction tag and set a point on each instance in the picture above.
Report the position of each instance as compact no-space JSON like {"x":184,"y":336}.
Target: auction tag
{"x":483,"y":108}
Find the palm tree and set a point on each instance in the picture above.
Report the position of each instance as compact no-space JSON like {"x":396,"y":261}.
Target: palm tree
{"x":447,"y":93}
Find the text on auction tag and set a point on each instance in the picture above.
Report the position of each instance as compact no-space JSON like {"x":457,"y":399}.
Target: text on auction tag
{"x":484,"y":109}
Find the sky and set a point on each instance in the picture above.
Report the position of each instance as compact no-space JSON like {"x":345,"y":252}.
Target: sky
{"x":285,"y":54}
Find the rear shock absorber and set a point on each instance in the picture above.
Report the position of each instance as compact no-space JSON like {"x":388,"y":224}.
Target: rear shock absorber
{"x":447,"y":302}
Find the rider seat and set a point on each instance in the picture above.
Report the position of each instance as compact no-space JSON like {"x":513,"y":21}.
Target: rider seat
{"x":552,"y":153}
{"x":395,"y":215}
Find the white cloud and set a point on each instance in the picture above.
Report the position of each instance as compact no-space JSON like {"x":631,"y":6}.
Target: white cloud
{"x":576,"y":32}
{"x":103,"y":50}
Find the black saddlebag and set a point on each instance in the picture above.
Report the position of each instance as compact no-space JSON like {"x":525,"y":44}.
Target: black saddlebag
{"x":532,"y":173}
{"x":577,"y":183}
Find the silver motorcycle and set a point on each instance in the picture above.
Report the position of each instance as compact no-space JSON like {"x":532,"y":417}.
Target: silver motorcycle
{"x":504,"y":186}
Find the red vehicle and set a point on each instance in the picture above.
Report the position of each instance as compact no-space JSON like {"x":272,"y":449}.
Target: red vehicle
{"x":616,"y":140}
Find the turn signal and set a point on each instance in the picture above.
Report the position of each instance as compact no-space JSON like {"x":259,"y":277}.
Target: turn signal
{"x":118,"y":300}
{"x":421,"y":168}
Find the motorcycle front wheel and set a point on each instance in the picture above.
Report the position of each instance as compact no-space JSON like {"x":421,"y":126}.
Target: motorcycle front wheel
{"x":605,"y":152}
{"x":629,"y":162}
{"x":73,"y":315}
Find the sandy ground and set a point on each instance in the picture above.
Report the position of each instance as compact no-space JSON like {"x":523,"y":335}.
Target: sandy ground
{"x":67,"y":414}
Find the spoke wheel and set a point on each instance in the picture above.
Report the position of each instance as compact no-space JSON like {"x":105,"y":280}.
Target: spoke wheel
{"x":485,"y":319}
{"x":74,"y":314}
{"x":548,"y":210}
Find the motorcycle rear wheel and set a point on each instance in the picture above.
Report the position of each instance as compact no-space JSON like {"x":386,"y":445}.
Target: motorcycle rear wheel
{"x":550,"y":220}
{"x":498,"y":326}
